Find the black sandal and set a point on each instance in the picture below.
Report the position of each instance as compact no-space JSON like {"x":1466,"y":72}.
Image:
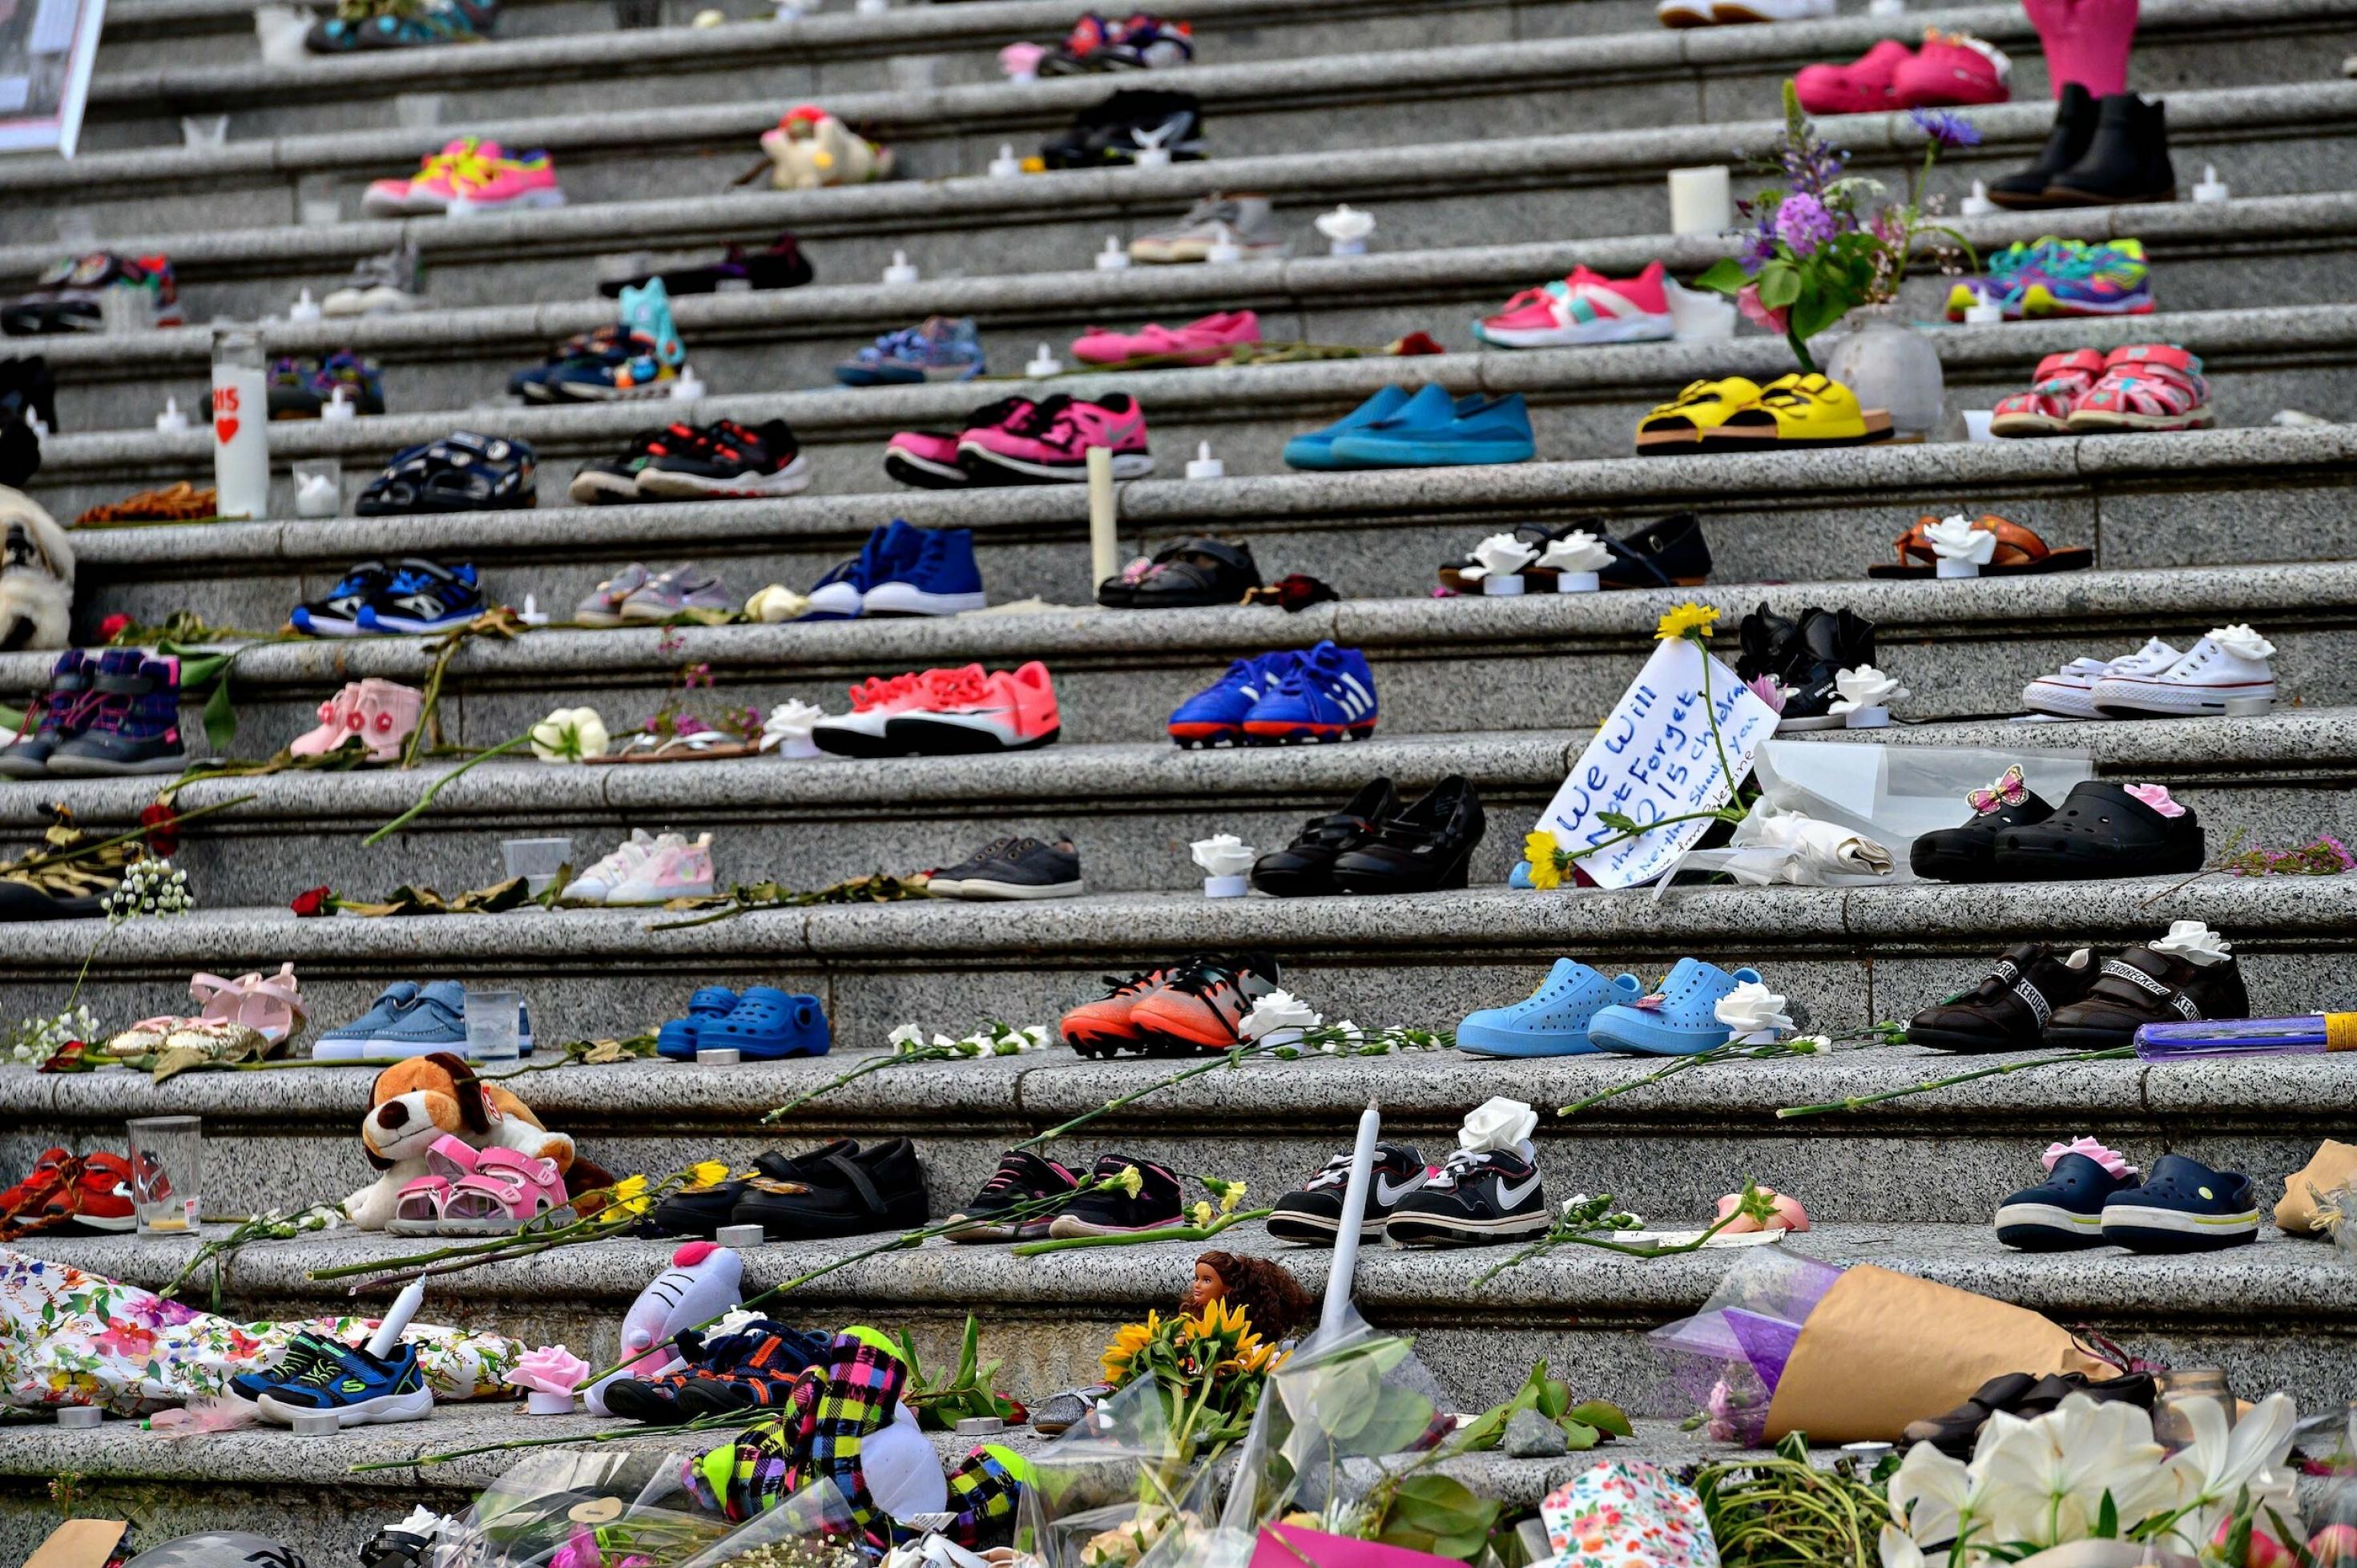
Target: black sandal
{"x":1194,"y":573}
{"x":2100,"y":831}
{"x":1670,"y":554}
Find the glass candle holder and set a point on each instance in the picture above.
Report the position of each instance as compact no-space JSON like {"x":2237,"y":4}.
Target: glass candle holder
{"x":168,"y":1161}
{"x":494,"y":1031}
{"x":2180,"y":1386}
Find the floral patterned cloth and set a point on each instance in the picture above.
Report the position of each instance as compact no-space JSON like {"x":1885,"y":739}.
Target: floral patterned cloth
{"x":69,"y":1338}
{"x":1626,"y":1514}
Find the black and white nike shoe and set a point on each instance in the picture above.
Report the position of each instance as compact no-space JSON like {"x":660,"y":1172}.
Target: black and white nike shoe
{"x":1474,"y":1199}
{"x":423,"y":596}
{"x":1313,"y":1215}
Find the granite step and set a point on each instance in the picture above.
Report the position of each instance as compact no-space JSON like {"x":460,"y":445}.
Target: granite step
{"x":1442,"y":666}
{"x":2289,"y":251}
{"x":1132,"y":809}
{"x":1584,"y":402}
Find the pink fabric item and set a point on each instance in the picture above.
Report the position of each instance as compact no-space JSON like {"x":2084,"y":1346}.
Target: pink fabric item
{"x":1200,"y":342}
{"x":2111,"y":1160}
{"x":1954,"y":71}
{"x":2086,"y":41}
{"x":1861,"y":87}
{"x":2156,"y":797}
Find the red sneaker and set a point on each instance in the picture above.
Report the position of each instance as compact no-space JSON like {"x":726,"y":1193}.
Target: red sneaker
{"x":27,"y":1196}
{"x":968,"y":712}
{"x":1861,"y":87}
{"x":1204,"y":1002}
{"x":70,"y":1195}
{"x":1954,"y":71}
{"x":1104,"y":1027}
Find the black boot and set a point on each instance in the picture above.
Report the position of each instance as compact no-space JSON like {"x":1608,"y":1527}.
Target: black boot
{"x":2127,"y":161}
{"x":1828,"y":642}
{"x":2074,"y":130}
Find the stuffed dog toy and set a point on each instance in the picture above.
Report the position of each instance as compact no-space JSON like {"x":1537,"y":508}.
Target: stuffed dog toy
{"x":37,"y":576}
{"x":810,"y":149}
{"x":417,"y":1101}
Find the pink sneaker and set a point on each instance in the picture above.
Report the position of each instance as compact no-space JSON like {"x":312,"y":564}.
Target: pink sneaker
{"x":675,"y":868}
{"x":511,"y":185}
{"x":439,"y":176}
{"x":1861,"y":87}
{"x":336,"y":717}
{"x":1954,"y":71}
{"x":1001,"y":711}
{"x":1585,"y":308}
{"x":928,"y":459}
{"x":861,"y":732}
{"x":1051,"y":442}
{"x":1202,"y":342}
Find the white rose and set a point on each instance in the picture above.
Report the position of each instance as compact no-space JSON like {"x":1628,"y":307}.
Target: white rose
{"x":1495,"y":1125}
{"x":2194,"y":943}
{"x":1500,"y":555}
{"x":1865,"y":687}
{"x":2242,"y":642}
{"x":1809,"y":1045}
{"x":1579,"y":551}
{"x":570,"y":734}
{"x":1223,"y":855}
{"x":1752,"y":1009}
{"x":1956,"y":539}
{"x":1277,"y":1010}
{"x":1345,"y":223}
{"x":775,"y":604}
{"x":789,"y":721}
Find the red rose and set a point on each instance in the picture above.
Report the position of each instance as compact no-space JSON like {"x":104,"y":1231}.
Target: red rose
{"x":112,"y":627}
{"x":318,"y":901}
{"x":163,"y":825}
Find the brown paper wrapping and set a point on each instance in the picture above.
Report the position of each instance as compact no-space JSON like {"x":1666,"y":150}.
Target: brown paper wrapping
{"x":1882,"y":1349}
{"x":2335,"y":1166}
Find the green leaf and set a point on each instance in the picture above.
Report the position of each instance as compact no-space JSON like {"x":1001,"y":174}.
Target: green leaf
{"x":1605,"y":1416}
{"x":1618,"y":821}
{"x":1726,"y":275}
{"x":2107,"y":1521}
{"x":1554,"y":1399}
{"x":1579,"y":1437}
{"x":1779,"y":284}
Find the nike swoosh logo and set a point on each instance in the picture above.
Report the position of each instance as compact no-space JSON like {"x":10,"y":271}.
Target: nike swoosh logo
{"x":1386,"y":1194}
{"x":1512,"y":1197}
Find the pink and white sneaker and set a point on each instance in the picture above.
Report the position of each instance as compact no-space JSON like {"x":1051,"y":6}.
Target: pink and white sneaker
{"x":1049,"y":442}
{"x":929,"y":458}
{"x":1861,"y":87}
{"x":1953,"y":70}
{"x":1202,"y":342}
{"x":676,"y":867}
{"x":1585,"y":308}
{"x":511,"y":185}
{"x":874,"y":701}
{"x":1001,"y":711}
{"x":438,"y":180}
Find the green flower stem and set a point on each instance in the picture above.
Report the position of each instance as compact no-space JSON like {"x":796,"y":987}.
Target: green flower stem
{"x":1874,"y":1035}
{"x":1717,"y":813}
{"x":1171,"y":1233}
{"x":733,"y":1419}
{"x":1710,"y":712}
{"x":1227,"y":1058}
{"x":877,"y":1064}
{"x":1559,"y":1238}
{"x":1859,"y":1102}
{"x":435,"y":789}
{"x":80,"y":852}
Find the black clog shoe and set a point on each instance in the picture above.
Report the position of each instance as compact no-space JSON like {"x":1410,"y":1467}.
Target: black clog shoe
{"x":2103,"y":830}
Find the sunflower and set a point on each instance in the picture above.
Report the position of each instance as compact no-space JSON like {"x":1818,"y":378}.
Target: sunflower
{"x":1127,"y":1341}
{"x":1688,"y":620}
{"x":1539,"y":849}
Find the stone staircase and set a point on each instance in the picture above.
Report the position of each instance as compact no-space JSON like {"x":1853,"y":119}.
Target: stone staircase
{"x":1498,"y":142}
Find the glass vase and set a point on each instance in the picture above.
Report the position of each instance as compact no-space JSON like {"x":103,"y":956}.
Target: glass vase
{"x":1891,"y":366}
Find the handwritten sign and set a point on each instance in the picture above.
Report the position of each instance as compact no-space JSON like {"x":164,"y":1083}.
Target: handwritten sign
{"x":1653,"y":759}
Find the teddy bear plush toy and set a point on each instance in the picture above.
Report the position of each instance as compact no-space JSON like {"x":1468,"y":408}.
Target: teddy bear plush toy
{"x":810,"y":149}
{"x":417,"y":1101}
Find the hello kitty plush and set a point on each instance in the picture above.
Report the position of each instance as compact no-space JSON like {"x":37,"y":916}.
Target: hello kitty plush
{"x":810,"y":149}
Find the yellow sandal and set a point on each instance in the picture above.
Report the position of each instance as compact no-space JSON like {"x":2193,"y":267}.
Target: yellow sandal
{"x":1798,"y":412}
{"x":1678,"y":426}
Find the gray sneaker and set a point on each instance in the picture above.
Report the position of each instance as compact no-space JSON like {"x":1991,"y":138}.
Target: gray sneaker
{"x":676,"y":592}
{"x":1251,"y":228}
{"x":602,"y":606}
{"x":379,"y":285}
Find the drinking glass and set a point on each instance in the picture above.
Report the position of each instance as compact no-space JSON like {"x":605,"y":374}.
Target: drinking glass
{"x":494,"y":1030}
{"x":168,"y":1161}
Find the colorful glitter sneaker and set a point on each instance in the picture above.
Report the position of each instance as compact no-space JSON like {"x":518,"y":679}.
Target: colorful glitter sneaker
{"x":1050,"y":444}
{"x":509,"y":185}
{"x":937,"y":349}
{"x":2088,"y":280}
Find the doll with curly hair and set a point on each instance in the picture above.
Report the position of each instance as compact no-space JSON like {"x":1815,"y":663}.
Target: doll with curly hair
{"x":1271,"y":1297}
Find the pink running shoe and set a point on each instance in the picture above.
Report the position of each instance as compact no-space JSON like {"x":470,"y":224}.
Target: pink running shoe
{"x":1050,"y":442}
{"x":1585,"y":308}
{"x":928,"y":459}
{"x":437,"y":181}
{"x":1954,"y":71}
{"x":511,"y":185}
{"x":676,"y":868}
{"x":1001,"y":711}
{"x":1204,"y":342}
{"x":1861,"y":87}
{"x":860,"y":731}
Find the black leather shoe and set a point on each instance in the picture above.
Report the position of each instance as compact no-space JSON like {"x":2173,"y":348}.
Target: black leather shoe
{"x":1193,"y":573}
{"x":1305,"y":867}
{"x":2143,"y":986}
{"x":1968,"y":853}
{"x":2127,"y":161}
{"x":878,"y":1188}
{"x":1427,"y":846}
{"x":2074,"y":129}
{"x":2008,"y":1010}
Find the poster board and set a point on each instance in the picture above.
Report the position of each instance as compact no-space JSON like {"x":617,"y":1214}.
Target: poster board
{"x":1654,"y":758}
{"x":46,"y":48}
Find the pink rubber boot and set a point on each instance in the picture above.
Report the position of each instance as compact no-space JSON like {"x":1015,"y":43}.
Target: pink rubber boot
{"x":2086,"y":41}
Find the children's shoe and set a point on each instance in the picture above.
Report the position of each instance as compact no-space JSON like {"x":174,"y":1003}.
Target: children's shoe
{"x":1311,"y":1215}
{"x":838,"y":1195}
{"x":64,"y":710}
{"x":384,"y":285}
{"x":937,"y":349}
{"x":1215,"y":715}
{"x":929,"y":458}
{"x":680,"y":869}
{"x":1108,"y":1210}
{"x":676,"y":1040}
{"x":2060,"y":381}
{"x":1800,"y":412}
{"x":1247,"y":223}
{"x":1678,"y":1020}
{"x":875,"y":702}
{"x":1953,"y":70}
{"x":2229,"y":661}
{"x":464,"y":471}
{"x":435,"y":1020}
{"x":2070,"y":692}
{"x":2148,"y":387}
{"x":350,"y":1042}
{"x":1203,"y":1005}
{"x":1204,"y":341}
{"x":2075,"y":279}
{"x":1004,"y":711}
{"x":423,"y":597}
{"x":357,"y":1387}
{"x":940,"y":580}
{"x":1108,"y":1027}
{"x":1433,"y":429}
{"x":682,"y":590}
{"x":1553,"y":1021}
{"x":1474,"y":1199}
{"x":610,"y":872}
{"x":1861,"y":87}
{"x":2187,"y":975}
{"x":769,"y":1025}
{"x":1586,"y":309}
{"x":511,"y":185}
{"x":303,"y":1349}
{"x":842,"y":594}
{"x":336,"y":722}
{"x":1023,"y":1179}
{"x":462,"y":162}
{"x":336,"y":612}
{"x":1314,"y":449}
{"x":1012,"y":869}
{"x":727,"y":461}
{"x":1305,"y":868}
{"x":2183,"y":1207}
{"x":385,"y":715}
{"x":1328,"y":694}
{"x":66,"y":297}
{"x":1968,"y":853}
{"x":759,"y":1372}
{"x":2009,"y":1009}
{"x":2065,"y":1211}
{"x":135,"y":722}
{"x":2103,"y":830}
{"x":1050,"y":442}
{"x":614,"y":481}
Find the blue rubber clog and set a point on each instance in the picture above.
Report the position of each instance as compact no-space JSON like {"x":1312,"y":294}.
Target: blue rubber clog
{"x":1553,"y":1020}
{"x":1680,"y":1021}
{"x":678,"y":1039}
{"x":768,"y":1024}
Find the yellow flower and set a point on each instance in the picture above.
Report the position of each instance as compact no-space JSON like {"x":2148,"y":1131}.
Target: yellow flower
{"x":1538,"y":848}
{"x":1127,"y":1341}
{"x":1688,"y":620}
{"x":707,"y":1173}
{"x":1202,"y":1212}
{"x":1234,"y":1195}
{"x":628,"y":1198}
{"x":1130,"y":1180}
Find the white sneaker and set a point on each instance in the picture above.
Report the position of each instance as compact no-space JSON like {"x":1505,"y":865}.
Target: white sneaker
{"x":2070,"y":692}
{"x":675,"y":868}
{"x":593,"y":885}
{"x":2229,"y":662}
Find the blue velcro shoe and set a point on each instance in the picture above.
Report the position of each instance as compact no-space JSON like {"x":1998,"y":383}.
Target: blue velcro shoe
{"x":1215,"y":715}
{"x":357,"y":1387}
{"x":768,"y":1024}
{"x":943,"y":580}
{"x":2182,"y":1207}
{"x":350,"y":1042}
{"x":1678,"y":1020}
{"x":2064,"y":1211}
{"x":1553,"y":1020}
{"x":437,"y":1021}
{"x":842,"y":594}
{"x":676,"y":1039}
{"x":1477,"y":431}
{"x":1328,"y":695}
{"x":1314,"y":448}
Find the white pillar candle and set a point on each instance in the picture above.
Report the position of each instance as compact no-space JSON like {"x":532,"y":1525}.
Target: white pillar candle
{"x":1701,"y":201}
{"x":1104,"y":541}
{"x":241,"y":411}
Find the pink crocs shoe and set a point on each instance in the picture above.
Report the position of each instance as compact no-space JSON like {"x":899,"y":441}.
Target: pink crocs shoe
{"x":1953,"y":70}
{"x":1861,"y":87}
{"x":1202,"y":342}
{"x":1050,"y":442}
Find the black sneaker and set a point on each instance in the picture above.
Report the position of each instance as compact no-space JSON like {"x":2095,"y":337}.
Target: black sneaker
{"x":1116,"y":130}
{"x":614,"y":481}
{"x":701,"y":1211}
{"x":783,"y":265}
{"x":858,"y":1194}
{"x":336,"y":612}
{"x":1473,"y":1201}
{"x":1313,"y":1215}
{"x":1012,"y":868}
{"x":729,"y":461}
{"x":1111,"y":1211}
{"x":423,"y":596}
{"x":1022,"y":1178}
{"x":1305,"y":868}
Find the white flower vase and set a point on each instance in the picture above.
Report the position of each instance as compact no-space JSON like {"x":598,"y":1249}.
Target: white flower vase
{"x":1891,"y":366}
